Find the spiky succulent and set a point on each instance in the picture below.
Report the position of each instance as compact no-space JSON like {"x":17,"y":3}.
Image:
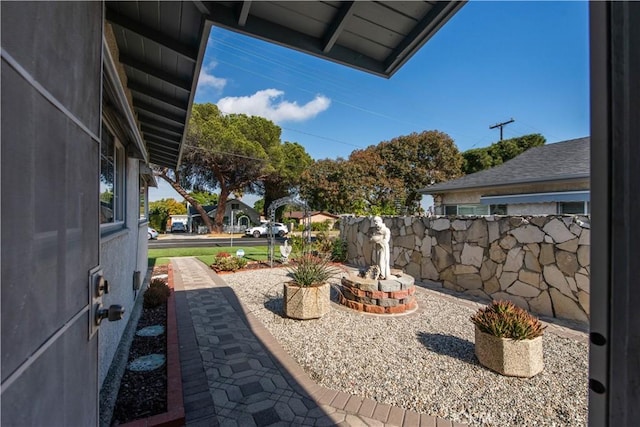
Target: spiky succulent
{"x":505,"y":320}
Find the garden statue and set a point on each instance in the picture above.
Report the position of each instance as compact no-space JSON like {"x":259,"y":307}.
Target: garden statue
{"x":285,"y":251}
{"x":377,"y":289}
{"x":381,"y":256}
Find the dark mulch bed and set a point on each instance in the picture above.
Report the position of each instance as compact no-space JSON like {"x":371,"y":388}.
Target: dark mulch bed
{"x":143,"y":394}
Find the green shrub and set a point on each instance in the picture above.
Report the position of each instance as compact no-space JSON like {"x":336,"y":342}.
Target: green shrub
{"x":299,"y":245}
{"x":505,"y":320}
{"x":321,"y":226}
{"x":157,"y":294}
{"x":228,"y":263}
{"x":310,"y":270}
{"x":339,"y":250}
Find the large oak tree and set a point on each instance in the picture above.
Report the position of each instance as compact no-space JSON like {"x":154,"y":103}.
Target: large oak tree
{"x":383,"y":179}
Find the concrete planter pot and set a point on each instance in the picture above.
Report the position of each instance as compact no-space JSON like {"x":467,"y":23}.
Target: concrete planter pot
{"x":305,"y":303}
{"x":513,"y":358}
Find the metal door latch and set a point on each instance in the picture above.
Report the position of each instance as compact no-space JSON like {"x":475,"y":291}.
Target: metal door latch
{"x":113,"y":313}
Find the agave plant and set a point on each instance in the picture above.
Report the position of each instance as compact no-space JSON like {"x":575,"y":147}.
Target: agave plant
{"x":505,"y":320}
{"x":311,"y":270}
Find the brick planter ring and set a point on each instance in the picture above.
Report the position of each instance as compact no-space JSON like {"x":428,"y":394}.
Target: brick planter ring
{"x":394,"y":295}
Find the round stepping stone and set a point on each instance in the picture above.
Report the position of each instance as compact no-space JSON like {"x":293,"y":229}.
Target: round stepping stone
{"x":147,"y":363}
{"x":151,"y":331}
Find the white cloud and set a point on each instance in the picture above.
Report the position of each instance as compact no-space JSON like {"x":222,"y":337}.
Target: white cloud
{"x":207,"y":79}
{"x":269,"y":104}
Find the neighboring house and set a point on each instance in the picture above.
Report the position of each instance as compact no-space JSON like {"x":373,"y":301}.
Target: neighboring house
{"x":317,"y":216}
{"x":243,"y":215}
{"x":550,"y":179}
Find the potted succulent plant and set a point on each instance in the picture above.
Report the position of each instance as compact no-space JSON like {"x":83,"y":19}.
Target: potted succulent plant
{"x":508,"y":339}
{"x":307,"y":295}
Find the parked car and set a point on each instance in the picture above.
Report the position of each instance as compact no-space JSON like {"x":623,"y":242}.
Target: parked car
{"x":262,"y":230}
{"x":151,"y":234}
{"x":178,"y":227}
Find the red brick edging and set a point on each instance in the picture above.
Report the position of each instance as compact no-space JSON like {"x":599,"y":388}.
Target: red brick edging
{"x":366,"y":300}
{"x":174,"y":417}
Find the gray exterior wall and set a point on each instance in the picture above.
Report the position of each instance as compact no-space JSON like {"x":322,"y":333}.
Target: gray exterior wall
{"x":51,"y":109}
{"x":119,"y":269}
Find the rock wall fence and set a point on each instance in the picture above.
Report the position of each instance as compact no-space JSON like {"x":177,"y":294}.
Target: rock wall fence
{"x":541,"y":263}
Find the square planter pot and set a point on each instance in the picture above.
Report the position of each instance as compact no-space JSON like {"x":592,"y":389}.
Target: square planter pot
{"x":514,"y":358}
{"x":306,"y":302}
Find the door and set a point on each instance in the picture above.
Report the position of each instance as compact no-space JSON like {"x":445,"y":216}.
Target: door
{"x":51,"y":107}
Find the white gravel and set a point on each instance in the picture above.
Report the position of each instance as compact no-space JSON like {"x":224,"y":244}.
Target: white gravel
{"x":423,"y":361}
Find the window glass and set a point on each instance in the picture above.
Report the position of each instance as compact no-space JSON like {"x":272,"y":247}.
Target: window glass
{"x":451,"y":210}
{"x":143,"y":199}
{"x":111,"y":179}
{"x":576,"y":208}
{"x":473,"y":210}
{"x":107,"y":177}
{"x":498,"y":209}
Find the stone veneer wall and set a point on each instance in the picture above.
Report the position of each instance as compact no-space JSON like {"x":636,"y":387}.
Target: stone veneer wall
{"x":541,"y":263}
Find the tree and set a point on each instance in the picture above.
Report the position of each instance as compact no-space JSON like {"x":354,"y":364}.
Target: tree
{"x":226,"y":152}
{"x":205,"y":198}
{"x":259,"y":205}
{"x":324,"y":187}
{"x":376,"y":193}
{"x":478,"y":159}
{"x":161,"y":210}
{"x":289,"y":161}
{"x":418,"y":160}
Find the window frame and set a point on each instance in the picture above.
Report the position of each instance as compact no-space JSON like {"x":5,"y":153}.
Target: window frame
{"x":143,"y":203}
{"x":119,"y":181}
{"x":586,"y":208}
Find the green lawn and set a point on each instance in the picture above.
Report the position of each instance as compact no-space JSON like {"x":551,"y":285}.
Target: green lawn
{"x":206,"y":255}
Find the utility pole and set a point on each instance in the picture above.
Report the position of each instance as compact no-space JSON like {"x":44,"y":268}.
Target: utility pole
{"x":501,"y":125}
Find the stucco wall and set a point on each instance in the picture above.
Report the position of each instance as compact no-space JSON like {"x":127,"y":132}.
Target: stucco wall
{"x":122,"y":253}
{"x":541,"y":263}
{"x":532,"y":209}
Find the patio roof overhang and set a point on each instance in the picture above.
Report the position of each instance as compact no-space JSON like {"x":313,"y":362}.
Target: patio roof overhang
{"x":161,"y":47}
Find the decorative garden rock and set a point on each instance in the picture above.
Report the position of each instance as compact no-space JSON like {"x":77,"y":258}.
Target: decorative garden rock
{"x":514,"y":358}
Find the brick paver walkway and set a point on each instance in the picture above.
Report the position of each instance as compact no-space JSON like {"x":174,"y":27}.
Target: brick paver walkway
{"x":234,"y":372}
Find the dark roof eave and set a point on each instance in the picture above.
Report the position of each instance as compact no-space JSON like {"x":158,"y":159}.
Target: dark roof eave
{"x":204,"y":38}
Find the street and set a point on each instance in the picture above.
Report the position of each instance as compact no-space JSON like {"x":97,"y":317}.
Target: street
{"x":192,"y":241}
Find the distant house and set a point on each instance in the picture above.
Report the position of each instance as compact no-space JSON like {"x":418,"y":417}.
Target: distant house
{"x":317,"y":216}
{"x":550,"y":179}
{"x":243,"y":215}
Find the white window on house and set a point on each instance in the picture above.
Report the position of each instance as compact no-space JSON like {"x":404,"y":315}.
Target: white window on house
{"x":112,"y":187}
{"x":144,"y":199}
{"x":574,"y":208}
{"x":466,"y":210}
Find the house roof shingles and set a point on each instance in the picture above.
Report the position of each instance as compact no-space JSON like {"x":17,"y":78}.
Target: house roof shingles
{"x":564,"y":160}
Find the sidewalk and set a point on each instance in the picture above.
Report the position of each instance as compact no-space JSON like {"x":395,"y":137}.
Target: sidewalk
{"x":234,"y":373}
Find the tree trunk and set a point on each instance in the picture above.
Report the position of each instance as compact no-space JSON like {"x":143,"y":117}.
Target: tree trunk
{"x":176,"y":186}
{"x":222,"y":207}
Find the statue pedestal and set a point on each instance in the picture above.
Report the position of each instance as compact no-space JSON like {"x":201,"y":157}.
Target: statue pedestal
{"x":394,"y":295}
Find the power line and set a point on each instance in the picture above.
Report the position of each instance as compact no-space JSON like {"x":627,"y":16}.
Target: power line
{"x":228,"y":153}
{"x":323,"y":137}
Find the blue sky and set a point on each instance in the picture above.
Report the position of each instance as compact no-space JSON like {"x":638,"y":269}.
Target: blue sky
{"x":491,"y":62}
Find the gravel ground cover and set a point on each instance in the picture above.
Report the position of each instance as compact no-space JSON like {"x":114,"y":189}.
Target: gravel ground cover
{"x":423,"y":361}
